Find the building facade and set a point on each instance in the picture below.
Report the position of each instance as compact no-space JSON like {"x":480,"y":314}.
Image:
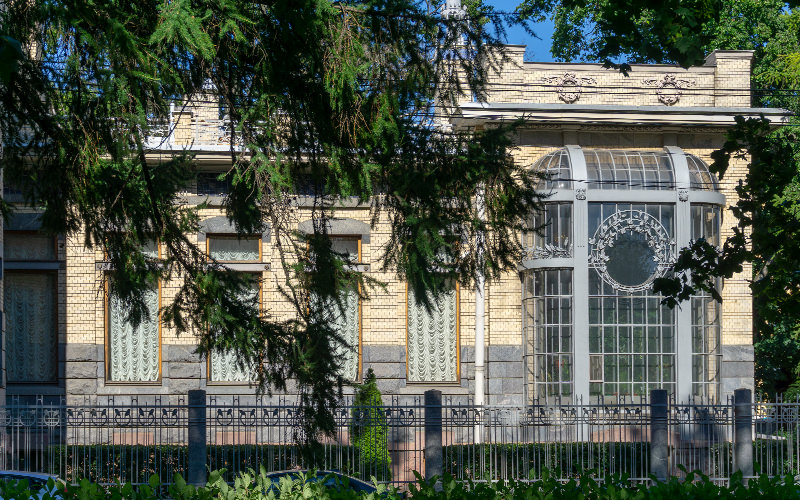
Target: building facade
{"x":625,"y":159}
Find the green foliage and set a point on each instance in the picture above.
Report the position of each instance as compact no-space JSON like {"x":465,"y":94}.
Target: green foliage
{"x":369,"y":430}
{"x":693,"y":486}
{"x":253,"y":485}
{"x":619,"y":32}
{"x":257,"y":486}
{"x":344,"y":96}
{"x":23,"y":489}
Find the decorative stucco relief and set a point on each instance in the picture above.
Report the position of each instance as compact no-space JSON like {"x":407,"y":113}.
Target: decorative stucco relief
{"x":669,"y":88}
{"x":569,"y":86}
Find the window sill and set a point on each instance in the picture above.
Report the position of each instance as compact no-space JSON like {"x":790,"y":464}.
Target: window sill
{"x":112,"y":383}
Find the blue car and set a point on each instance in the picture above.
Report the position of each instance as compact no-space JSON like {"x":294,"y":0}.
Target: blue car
{"x":36,"y":482}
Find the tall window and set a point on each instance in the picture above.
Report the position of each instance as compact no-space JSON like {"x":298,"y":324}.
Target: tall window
{"x":631,"y":335}
{"x":225,"y":366}
{"x":553,"y":238}
{"x":433,"y":341}
{"x":133,"y":354}
{"x":706,"y":328}
{"x":346,"y":318}
{"x":547,"y":306}
{"x":31,"y":308}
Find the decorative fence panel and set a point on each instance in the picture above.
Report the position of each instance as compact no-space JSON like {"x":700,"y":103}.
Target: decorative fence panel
{"x":381,"y":442}
{"x":104,"y":443}
{"x":112,"y":442}
{"x":701,"y":439}
{"x":526,"y":442}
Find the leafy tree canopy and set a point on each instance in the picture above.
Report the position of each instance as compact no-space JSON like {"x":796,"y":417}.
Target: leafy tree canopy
{"x":619,"y":32}
{"x":339,"y":95}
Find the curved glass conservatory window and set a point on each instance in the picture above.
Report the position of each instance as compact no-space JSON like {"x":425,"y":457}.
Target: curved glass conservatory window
{"x":700,"y":176}
{"x":614,"y":222}
{"x":629,"y":170}
{"x":706,"y":328}
{"x":555,"y":170}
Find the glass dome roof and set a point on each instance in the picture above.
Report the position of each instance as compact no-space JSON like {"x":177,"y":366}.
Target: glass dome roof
{"x":623,"y":170}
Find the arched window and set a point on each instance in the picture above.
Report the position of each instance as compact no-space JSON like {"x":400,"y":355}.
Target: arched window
{"x":614,"y":222}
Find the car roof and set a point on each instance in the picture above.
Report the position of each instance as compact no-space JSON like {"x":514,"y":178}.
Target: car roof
{"x":24,"y":474}
{"x":319,"y":473}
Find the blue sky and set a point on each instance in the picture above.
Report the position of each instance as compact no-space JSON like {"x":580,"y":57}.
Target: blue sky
{"x":538,"y":49}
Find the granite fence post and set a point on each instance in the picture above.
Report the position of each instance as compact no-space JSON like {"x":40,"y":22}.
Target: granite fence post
{"x":743,"y":431}
{"x":197,"y":454}
{"x":659,"y":435}
{"x":433,"y":434}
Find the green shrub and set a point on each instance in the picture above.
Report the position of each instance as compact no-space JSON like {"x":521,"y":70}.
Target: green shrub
{"x":369,"y":432}
{"x":532,"y":460}
{"x":22,"y":490}
{"x":257,"y":486}
{"x":694,"y":487}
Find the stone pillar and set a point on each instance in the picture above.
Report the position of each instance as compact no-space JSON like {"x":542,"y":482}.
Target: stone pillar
{"x":197,"y":473}
{"x":659,"y":435}
{"x":206,"y":116}
{"x":434,"y":458}
{"x":743,"y":431}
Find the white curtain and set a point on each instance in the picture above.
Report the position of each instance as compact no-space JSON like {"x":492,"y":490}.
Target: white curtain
{"x":345,"y":323}
{"x":31,"y":337}
{"x":433,"y":339}
{"x":224,"y":365}
{"x":225,"y":368}
{"x":133,"y":352}
{"x":233,"y":249}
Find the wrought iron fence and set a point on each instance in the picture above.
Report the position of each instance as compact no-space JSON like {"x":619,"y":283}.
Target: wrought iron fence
{"x":776,"y":439}
{"x":114,"y":441}
{"x":103,"y":442}
{"x":565,"y":440}
{"x":385,"y":443}
{"x":701,"y":435}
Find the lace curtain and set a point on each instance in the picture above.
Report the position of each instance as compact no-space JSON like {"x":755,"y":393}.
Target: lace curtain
{"x":345,"y":323}
{"x":133,"y":352}
{"x":233,"y":249}
{"x":31,"y":338}
{"x":29,"y":246}
{"x":225,"y":366}
{"x":433,"y":339}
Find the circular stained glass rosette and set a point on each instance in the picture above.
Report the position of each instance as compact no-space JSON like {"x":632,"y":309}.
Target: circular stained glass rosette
{"x":630,"y":249}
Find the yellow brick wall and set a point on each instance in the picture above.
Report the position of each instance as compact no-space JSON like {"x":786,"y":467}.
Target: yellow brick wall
{"x":384,"y":315}
{"x":516,"y":81}
{"x":731,"y":77}
{"x":737,"y":299}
